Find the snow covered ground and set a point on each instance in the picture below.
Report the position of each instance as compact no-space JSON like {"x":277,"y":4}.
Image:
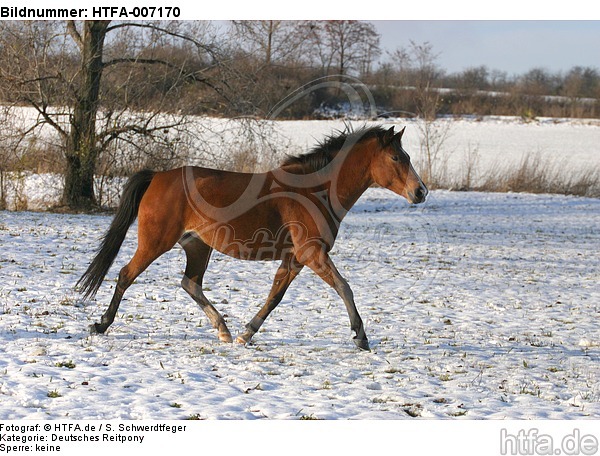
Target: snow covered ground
{"x":498,"y":140}
{"x":477,"y":306}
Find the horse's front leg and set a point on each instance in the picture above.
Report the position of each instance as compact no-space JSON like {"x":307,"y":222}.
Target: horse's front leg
{"x":325,"y":269}
{"x":287,"y":271}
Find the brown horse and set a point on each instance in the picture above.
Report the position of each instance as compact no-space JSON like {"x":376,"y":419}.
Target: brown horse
{"x":291,"y":214}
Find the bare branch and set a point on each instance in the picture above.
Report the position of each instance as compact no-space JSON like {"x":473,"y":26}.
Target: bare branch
{"x":142,"y":129}
{"x":192,"y":76}
{"x":209,"y":50}
{"x":48,"y":117}
{"x":72,"y":29}
{"x":140,"y":61}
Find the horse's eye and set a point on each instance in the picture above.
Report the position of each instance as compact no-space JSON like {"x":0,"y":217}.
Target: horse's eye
{"x":396,"y":158}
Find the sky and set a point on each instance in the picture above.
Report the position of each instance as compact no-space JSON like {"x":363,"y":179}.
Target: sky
{"x":511,"y":46}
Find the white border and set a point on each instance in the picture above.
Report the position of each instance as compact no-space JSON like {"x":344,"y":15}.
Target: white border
{"x":350,"y":9}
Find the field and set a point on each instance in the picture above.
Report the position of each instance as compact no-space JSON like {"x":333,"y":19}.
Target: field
{"x":477,"y":305}
{"x":487,"y":146}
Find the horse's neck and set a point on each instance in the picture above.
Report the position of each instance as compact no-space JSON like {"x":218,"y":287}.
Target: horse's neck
{"x":354,"y":177}
{"x":344,"y":180}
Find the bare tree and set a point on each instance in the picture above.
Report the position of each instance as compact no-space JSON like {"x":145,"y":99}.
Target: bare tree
{"x":539,"y":82}
{"x":580,"y":83}
{"x":420,"y":73}
{"x":58,"y":69}
{"x":346,"y":46}
{"x":474,"y":78}
{"x":273,"y":42}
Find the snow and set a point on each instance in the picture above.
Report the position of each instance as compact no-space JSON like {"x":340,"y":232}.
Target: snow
{"x":476,"y":305}
{"x":486,"y":143}
{"x":492,"y":141}
{"x":32,"y":191}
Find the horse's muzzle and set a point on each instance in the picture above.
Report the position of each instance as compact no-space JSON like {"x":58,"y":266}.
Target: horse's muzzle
{"x":419,"y":195}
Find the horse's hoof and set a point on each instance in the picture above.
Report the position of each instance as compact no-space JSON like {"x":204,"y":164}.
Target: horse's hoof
{"x":225,"y":337}
{"x":363,"y":344}
{"x":241,"y":340}
{"x":96,"y":329}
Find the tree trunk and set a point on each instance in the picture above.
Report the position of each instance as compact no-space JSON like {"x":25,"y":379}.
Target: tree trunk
{"x":81,"y":149}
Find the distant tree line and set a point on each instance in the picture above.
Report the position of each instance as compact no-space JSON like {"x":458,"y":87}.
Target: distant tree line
{"x":251,"y":65}
{"x":482,"y":91}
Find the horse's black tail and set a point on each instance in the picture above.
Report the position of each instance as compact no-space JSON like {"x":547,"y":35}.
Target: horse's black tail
{"x":126,"y":214}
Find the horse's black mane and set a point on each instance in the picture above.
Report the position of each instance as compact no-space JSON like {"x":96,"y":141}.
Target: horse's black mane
{"x":325,"y":151}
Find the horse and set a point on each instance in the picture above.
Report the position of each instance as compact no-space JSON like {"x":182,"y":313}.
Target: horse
{"x":290,"y":214}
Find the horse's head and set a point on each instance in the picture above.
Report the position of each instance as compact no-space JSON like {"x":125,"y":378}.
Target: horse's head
{"x":391,"y":168}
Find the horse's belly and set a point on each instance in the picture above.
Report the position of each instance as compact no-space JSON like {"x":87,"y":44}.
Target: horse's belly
{"x":265,"y":250}
{"x":261,"y":245}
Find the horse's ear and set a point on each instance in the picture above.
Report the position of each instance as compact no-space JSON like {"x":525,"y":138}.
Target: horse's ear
{"x":400,"y":133}
{"x":388,"y":136}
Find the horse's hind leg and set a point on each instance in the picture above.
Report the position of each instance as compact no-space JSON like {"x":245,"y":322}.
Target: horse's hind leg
{"x":152,"y":243}
{"x":288,"y":270}
{"x":140,"y":261}
{"x":198,"y":254}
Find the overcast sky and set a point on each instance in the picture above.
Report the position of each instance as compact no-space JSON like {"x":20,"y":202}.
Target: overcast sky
{"x":511,"y":46}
